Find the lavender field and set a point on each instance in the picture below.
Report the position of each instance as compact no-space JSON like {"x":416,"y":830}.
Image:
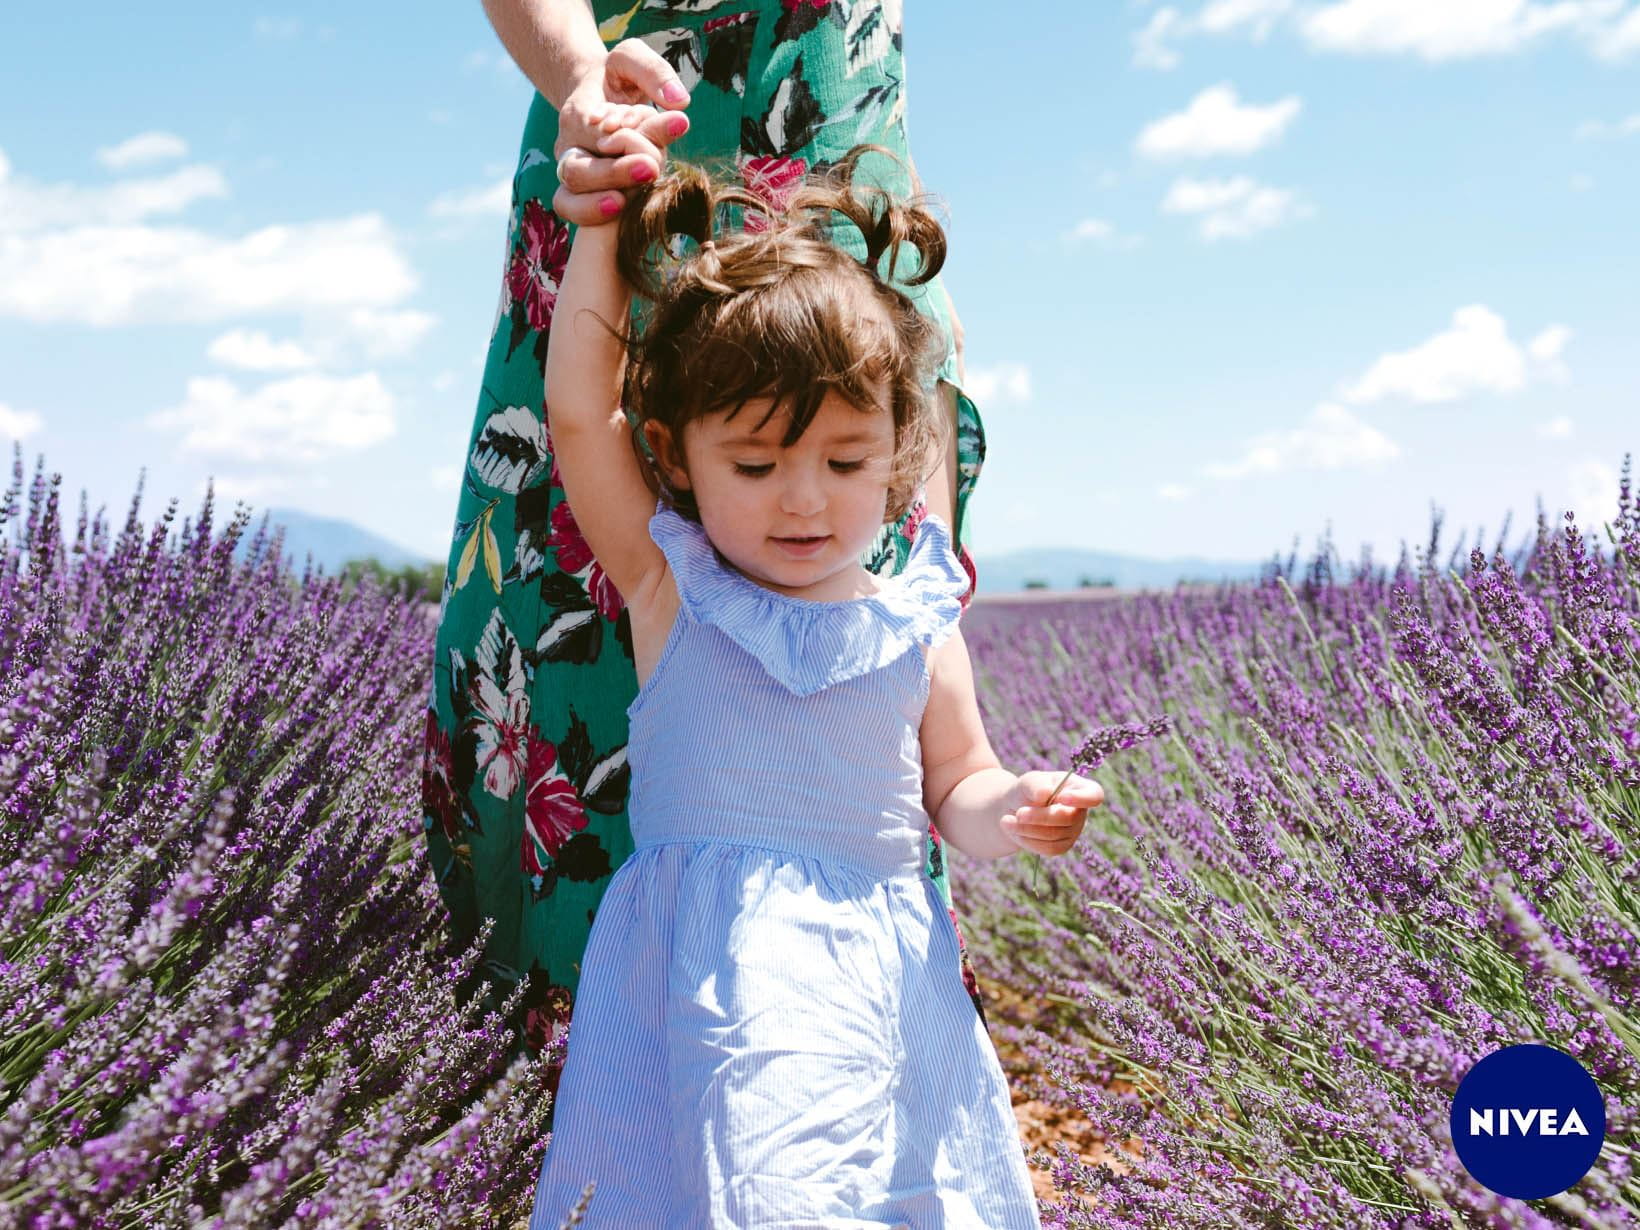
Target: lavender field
{"x":1366,"y":825}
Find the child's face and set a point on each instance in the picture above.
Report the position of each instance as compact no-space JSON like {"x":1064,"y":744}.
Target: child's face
{"x":755,"y":497}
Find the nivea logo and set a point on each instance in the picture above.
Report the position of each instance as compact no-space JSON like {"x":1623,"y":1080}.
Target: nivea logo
{"x":1528,"y":1121}
{"x":1541,"y":1120}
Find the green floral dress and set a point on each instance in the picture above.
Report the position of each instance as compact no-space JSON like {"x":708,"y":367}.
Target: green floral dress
{"x":524,"y":780}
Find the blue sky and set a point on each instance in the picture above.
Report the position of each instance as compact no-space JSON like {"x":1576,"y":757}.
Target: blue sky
{"x":1231,"y":272}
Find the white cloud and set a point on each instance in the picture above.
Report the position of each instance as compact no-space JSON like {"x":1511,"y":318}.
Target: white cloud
{"x":1592,"y":490}
{"x":497,"y":61}
{"x":93,"y":255}
{"x":1233,"y":208}
{"x":1458,"y":29}
{"x":492,"y":201}
{"x":1331,"y":439}
{"x":250,"y":489}
{"x":277,"y":29}
{"x":387,"y":335}
{"x":1173,"y":492}
{"x":113,"y":275}
{"x":19,"y":424}
{"x":1557,"y":428}
{"x":1101,"y":232}
{"x":1436,"y":30}
{"x":142,"y":149}
{"x":1259,"y":17}
{"x":1000,"y":382}
{"x":299,"y":420}
{"x":1151,"y":45}
{"x":445,"y":478}
{"x":254,"y":351}
{"x":1150,"y":49}
{"x":1475,"y":355}
{"x":1594,"y":130}
{"x":1546,"y":350}
{"x":27,"y":207}
{"x":1619,"y":41}
{"x":1216,"y":122}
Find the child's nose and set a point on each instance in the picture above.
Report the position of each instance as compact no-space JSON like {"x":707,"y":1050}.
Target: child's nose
{"x":802,"y":495}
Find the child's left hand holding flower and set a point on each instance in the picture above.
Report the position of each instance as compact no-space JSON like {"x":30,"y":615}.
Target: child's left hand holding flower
{"x":1042,"y":828}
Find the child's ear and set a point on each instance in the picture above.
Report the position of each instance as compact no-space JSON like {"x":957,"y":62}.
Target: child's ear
{"x":668,"y":457}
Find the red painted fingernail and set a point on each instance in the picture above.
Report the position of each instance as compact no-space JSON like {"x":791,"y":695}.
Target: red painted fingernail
{"x":610,"y":206}
{"x":677,"y":125}
{"x":642,"y":173}
{"x":674,"y":93}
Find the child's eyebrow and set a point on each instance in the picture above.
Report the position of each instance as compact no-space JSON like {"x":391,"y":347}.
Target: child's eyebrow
{"x":853,"y":437}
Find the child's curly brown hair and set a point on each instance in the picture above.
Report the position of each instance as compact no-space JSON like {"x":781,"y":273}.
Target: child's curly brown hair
{"x":781,"y":309}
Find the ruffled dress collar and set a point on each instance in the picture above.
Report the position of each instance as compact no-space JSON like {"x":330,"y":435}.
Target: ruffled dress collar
{"x":807,"y":645}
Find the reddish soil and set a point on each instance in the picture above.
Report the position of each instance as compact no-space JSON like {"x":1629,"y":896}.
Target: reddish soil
{"x":1042,"y":1124}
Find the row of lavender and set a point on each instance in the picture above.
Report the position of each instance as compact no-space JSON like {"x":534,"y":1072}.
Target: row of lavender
{"x":1393,"y":828}
{"x":222,"y":996}
{"x":1391,"y":823}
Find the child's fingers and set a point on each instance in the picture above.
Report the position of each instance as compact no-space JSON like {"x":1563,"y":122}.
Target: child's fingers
{"x":1040,"y":841}
{"x":1048,"y":821}
{"x":625,"y":115}
{"x":631,"y":141}
{"x":584,"y":172}
{"x":1077,"y":791}
{"x":586,"y":208}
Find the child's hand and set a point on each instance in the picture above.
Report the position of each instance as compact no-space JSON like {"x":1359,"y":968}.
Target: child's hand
{"x":1050,"y":829}
{"x":635,"y":154}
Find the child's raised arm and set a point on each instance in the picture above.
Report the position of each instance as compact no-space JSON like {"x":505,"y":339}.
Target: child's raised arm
{"x":591,"y":441}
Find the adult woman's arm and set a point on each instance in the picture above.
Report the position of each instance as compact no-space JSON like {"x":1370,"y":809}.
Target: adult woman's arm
{"x":556,"y":45}
{"x":554,"y":42}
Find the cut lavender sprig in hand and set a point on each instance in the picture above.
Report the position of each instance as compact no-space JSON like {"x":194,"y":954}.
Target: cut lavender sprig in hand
{"x":1091,"y":752}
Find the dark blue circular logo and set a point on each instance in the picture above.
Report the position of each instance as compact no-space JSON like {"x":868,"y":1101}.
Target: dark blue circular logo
{"x":1528,"y":1121}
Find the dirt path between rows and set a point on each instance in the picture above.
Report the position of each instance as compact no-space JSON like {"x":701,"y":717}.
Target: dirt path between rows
{"x":1042,"y":1124}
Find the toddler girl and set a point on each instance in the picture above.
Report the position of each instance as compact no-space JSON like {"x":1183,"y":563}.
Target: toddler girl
{"x":772,"y":1028}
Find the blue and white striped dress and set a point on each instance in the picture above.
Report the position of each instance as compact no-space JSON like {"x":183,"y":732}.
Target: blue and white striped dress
{"x":772,"y":1028}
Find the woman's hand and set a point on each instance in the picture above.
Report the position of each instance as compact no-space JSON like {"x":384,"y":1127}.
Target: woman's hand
{"x":1052,"y":829}
{"x":633,"y":76}
{"x":633,"y":155}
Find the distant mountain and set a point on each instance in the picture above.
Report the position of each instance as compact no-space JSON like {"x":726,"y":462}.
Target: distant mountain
{"x":1068,"y":568}
{"x":332,"y":541}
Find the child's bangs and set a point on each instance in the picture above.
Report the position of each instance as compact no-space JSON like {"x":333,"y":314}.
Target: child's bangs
{"x":793,"y":343}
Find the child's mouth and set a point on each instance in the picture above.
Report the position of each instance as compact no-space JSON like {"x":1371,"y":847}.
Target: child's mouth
{"x":803,"y":546}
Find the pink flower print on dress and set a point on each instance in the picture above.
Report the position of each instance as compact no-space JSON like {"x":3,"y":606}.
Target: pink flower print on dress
{"x":574,"y":556}
{"x":501,"y":721}
{"x":554,"y":478}
{"x":538,"y":264}
{"x":776,"y":180}
{"x":552,"y":810}
{"x":967,"y":562}
{"x":913,"y":519}
{"x":438,"y":796}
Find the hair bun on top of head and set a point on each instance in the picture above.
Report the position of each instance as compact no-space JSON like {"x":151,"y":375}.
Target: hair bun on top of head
{"x":688,"y":199}
{"x":886,"y":222}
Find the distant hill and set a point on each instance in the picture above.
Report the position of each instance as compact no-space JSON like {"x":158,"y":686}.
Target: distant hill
{"x":332,"y":541}
{"x":1066,"y":567}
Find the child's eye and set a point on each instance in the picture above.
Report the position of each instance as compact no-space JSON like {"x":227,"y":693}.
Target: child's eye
{"x":847,"y":467}
{"x":753,"y":471}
